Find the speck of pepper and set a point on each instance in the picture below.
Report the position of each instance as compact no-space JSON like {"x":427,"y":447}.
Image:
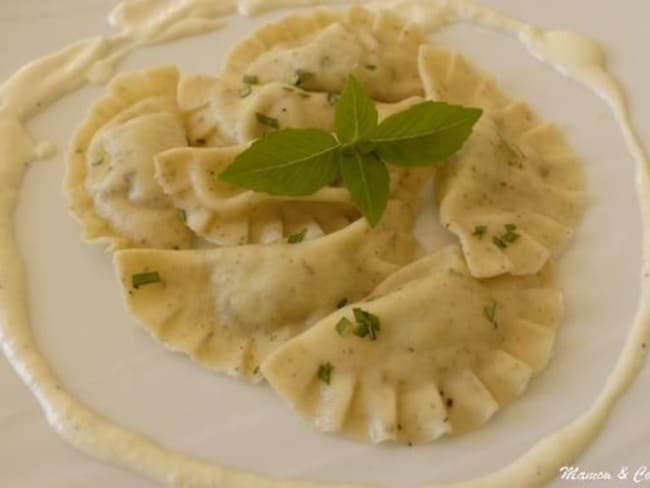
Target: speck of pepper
{"x":450,"y":402}
{"x":410,"y":444}
{"x":399,"y":426}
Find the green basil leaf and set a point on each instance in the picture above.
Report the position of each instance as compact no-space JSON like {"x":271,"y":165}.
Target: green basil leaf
{"x":290,"y":162}
{"x":425,"y":133}
{"x":356,"y":114}
{"x":366,"y":178}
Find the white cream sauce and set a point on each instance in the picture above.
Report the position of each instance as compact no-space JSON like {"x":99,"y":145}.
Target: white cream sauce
{"x":35,"y":86}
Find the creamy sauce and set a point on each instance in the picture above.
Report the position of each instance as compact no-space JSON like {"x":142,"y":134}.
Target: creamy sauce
{"x":42,"y":82}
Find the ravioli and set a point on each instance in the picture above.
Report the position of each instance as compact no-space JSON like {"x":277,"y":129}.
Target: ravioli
{"x":277,"y":106}
{"x":450,"y":351}
{"x":351,"y":325}
{"x":110,"y":168}
{"x":319,"y":50}
{"x":228,"y":308}
{"x":194,"y":95}
{"x":227,"y":215}
{"x":515,"y":193}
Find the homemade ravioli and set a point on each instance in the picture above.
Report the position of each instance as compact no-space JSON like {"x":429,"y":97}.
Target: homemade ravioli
{"x":228,"y":308}
{"x":110,"y":175}
{"x":318,"y":51}
{"x":448,"y":352}
{"x":227,"y":215}
{"x":359,"y":330}
{"x":276,"y":106}
{"x":514,"y":194}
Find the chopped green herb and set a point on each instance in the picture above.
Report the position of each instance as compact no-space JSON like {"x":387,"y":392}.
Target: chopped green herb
{"x":182,"y":215}
{"x":510,"y":236}
{"x":245,"y":91}
{"x":370,"y":67}
{"x":305,"y":95}
{"x":250,"y":80}
{"x":257,"y":369}
{"x":288,"y":89}
{"x":368,"y":324}
{"x":499,"y":242}
{"x":325,"y":372}
{"x":342,"y":303}
{"x":344,"y":326}
{"x":142,"y":279}
{"x":332,"y":98}
{"x":302,"y":76}
{"x":361,"y":330}
{"x":490,"y":312}
{"x":97,"y":162}
{"x":480,"y":231}
{"x":297,"y":237}
{"x":268,"y":121}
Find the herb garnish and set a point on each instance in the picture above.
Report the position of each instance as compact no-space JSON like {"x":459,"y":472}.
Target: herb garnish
{"x":298,"y":237}
{"x":182,"y":215}
{"x":480,"y":231}
{"x":325,"y":372}
{"x":509,"y":237}
{"x":370,"y":67}
{"x":367,"y":324}
{"x":97,"y":162}
{"x":142,"y":279}
{"x":302,"y":76}
{"x":266,"y":120}
{"x":499,"y":242}
{"x":344,"y":326}
{"x":295,"y":162}
{"x":490,"y":312}
{"x":250,"y":79}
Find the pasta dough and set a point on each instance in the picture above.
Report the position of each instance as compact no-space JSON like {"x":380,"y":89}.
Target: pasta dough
{"x":194,"y":95}
{"x":228,"y":308}
{"x":377,"y":46}
{"x":237,"y":118}
{"x":450,"y":351}
{"x":227,"y":215}
{"x":515,"y":179}
{"x":110,"y":179}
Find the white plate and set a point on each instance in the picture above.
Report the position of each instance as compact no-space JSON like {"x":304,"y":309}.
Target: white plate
{"x":103,"y":357}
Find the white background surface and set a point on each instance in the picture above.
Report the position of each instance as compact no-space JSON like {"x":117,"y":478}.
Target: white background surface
{"x":104,"y":358}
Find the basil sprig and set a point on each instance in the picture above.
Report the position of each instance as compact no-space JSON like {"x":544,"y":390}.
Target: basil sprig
{"x":297,"y":162}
